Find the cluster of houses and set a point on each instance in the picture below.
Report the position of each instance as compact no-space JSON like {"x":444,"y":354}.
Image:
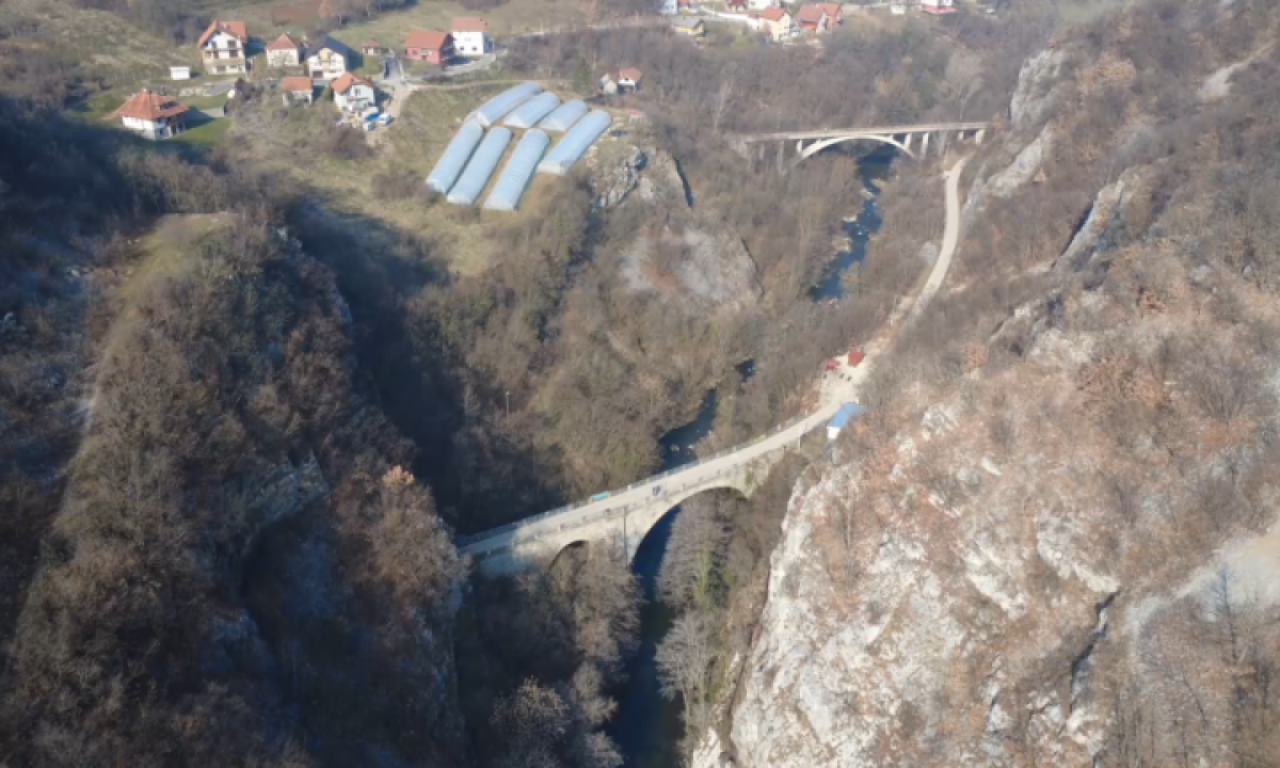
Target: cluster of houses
{"x":224,"y":50}
{"x":781,"y":21}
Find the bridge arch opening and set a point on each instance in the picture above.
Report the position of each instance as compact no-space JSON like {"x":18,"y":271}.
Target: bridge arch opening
{"x":823,"y":144}
{"x":643,"y":711}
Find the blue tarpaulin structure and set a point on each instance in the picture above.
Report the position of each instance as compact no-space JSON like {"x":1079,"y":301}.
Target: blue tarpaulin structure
{"x":580,"y":137}
{"x":529,"y":113}
{"x":496,"y":108}
{"x":513,"y":181}
{"x":455,"y":157}
{"x":480,"y":168}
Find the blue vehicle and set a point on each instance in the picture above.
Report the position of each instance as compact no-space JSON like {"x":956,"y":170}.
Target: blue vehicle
{"x":600,"y":496}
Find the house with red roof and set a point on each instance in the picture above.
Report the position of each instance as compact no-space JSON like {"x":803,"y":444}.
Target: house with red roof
{"x":353,"y":93}
{"x":812,"y":19}
{"x":222,"y":48}
{"x":835,"y":14}
{"x":938,"y":6}
{"x":152,"y":116}
{"x":777,"y":22}
{"x":470,"y":36}
{"x":629,"y":79}
{"x":297,"y":89}
{"x":429,"y":45}
{"x":284,"y":51}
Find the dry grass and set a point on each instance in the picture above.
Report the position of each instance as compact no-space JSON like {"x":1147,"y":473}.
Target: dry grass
{"x":390,"y":29}
{"x":104,"y":45}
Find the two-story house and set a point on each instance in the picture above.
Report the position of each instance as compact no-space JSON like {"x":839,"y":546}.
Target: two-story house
{"x":352,"y":93}
{"x":470,"y":36}
{"x":777,"y":22}
{"x":328,"y":60}
{"x":152,"y":116}
{"x":284,"y":51}
{"x":222,"y":48}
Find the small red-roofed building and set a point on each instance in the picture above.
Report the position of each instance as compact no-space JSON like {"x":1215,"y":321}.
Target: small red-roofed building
{"x":153,"y":116}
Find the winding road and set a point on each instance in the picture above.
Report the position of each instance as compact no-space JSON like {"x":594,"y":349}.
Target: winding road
{"x":501,"y":549}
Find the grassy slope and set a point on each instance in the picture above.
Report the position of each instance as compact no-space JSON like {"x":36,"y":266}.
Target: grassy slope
{"x":390,"y":28}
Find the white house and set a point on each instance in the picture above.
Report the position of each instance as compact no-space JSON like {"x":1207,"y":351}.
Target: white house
{"x":352,"y":93}
{"x":222,"y":48}
{"x":470,"y":36}
{"x":760,"y":5}
{"x":668,"y":7}
{"x":284,"y":51}
{"x":152,"y":116}
{"x":938,"y":6}
{"x":328,"y":60}
{"x":629,"y":79}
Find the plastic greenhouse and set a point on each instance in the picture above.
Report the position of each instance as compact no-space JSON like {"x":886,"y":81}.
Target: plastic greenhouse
{"x":496,"y":108}
{"x":529,"y":113}
{"x":515,"y":176}
{"x":571,"y":148}
{"x":481,"y":167}
{"x":565,"y":116}
{"x":455,"y":157}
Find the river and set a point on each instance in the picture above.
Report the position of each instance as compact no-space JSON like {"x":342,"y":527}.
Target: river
{"x":647,"y":727}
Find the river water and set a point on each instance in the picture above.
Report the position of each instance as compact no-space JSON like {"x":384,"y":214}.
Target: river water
{"x":647,"y":727}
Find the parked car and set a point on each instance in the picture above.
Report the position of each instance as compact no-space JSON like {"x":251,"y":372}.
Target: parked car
{"x":369,"y":125}
{"x":384,"y":119}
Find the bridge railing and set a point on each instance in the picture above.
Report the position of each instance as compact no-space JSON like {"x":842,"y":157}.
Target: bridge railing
{"x":464,"y":541}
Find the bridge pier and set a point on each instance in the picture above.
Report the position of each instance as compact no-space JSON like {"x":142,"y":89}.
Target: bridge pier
{"x":906,"y":140}
{"x":977,"y":137}
{"x":942,"y":143}
{"x":924,"y":146}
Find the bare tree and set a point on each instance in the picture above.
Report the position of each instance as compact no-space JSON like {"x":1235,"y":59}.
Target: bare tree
{"x":684,"y":665}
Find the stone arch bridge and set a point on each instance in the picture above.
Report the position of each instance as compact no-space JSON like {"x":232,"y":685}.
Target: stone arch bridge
{"x":809,"y":143}
{"x":628,"y":514}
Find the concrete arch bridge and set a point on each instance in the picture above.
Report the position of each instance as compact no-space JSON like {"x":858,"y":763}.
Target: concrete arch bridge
{"x":902,"y":137}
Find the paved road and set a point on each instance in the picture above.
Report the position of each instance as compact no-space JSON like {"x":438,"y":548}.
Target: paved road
{"x":950,"y":238}
{"x":835,"y":391}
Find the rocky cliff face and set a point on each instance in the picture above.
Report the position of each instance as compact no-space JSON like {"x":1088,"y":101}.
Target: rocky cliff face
{"x":1052,"y":548}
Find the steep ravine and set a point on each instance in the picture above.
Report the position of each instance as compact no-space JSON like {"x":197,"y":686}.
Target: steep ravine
{"x":1058,"y":544}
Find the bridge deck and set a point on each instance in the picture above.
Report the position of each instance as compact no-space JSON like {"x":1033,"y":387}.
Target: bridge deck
{"x":642,"y":493}
{"x":827,"y":133}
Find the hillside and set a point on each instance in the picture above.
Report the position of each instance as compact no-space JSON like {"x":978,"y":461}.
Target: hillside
{"x":1054,"y":541}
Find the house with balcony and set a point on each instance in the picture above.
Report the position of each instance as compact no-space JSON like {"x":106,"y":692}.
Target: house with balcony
{"x":153,"y":116}
{"x":222,"y":48}
{"x":353,"y":94}
{"x":329,"y":60}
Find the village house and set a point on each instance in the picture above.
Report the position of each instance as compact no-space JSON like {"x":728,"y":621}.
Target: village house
{"x":777,"y":22}
{"x":835,"y":14}
{"x":372,"y":48}
{"x":353,"y":93}
{"x":429,"y":45}
{"x":328,"y":60}
{"x":938,"y":6}
{"x":629,"y":79}
{"x":222,"y":48}
{"x":296,"y":89}
{"x":153,"y":116}
{"x":689,"y":27}
{"x":469,"y":36}
{"x":284,"y":51}
{"x":760,"y":5}
{"x":668,"y":7}
{"x":812,"y":19}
